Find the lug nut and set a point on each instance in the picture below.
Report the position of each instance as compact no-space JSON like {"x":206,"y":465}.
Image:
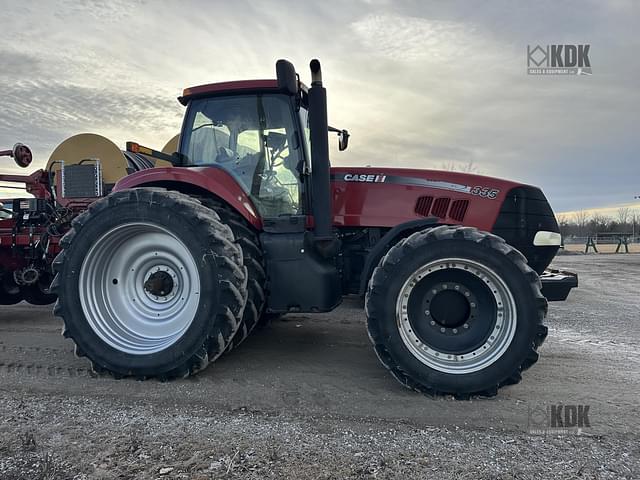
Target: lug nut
{"x":455,"y":330}
{"x":442,"y":329}
{"x":466,"y":325}
{"x":433,"y":322}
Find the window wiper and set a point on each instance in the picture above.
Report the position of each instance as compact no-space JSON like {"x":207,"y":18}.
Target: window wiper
{"x":207,"y":125}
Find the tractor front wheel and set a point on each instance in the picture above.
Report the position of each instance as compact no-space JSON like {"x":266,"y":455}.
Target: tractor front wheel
{"x":453,"y":310}
{"x":150,"y":284}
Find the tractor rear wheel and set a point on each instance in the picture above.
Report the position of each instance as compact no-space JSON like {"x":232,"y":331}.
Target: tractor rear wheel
{"x":453,"y":310}
{"x":150,"y":284}
{"x":247,"y":239}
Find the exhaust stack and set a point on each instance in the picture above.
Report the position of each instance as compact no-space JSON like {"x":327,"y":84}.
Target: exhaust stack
{"x":316,"y":72}
{"x":320,"y":181}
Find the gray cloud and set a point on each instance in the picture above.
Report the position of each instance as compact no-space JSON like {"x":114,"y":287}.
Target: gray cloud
{"x":44,"y":113}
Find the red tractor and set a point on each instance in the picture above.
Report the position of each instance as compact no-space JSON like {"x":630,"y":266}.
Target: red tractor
{"x":178,"y":264}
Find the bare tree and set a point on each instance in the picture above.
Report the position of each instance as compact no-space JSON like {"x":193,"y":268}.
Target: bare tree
{"x":635,"y":217}
{"x":563,"y":219}
{"x":623,"y":216}
{"x":581,"y":218}
{"x":600,"y":222}
{"x":563,"y":223}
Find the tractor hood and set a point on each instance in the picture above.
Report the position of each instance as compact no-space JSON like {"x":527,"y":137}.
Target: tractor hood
{"x":385,"y":197}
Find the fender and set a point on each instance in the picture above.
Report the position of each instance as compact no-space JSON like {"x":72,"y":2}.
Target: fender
{"x":199,"y":180}
{"x":389,"y":240}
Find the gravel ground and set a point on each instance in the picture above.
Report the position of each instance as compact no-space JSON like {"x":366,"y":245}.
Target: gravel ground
{"x":306,"y":398}
{"x":62,"y":437}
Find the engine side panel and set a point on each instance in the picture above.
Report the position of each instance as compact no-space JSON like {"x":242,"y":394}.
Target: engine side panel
{"x":385,"y":197}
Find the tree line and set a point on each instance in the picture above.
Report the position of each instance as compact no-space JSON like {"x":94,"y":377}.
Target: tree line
{"x":583,"y":223}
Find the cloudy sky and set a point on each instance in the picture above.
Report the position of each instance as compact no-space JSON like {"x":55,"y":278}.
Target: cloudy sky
{"x":418,"y":84}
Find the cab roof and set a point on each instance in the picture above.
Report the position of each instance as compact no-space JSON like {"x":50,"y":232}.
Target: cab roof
{"x":237,"y":86}
{"x":226,"y":87}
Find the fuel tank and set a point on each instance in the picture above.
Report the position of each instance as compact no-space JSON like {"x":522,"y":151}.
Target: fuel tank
{"x":386,"y":197}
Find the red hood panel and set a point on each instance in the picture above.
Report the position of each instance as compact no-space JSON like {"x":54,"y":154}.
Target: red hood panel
{"x":385,"y":197}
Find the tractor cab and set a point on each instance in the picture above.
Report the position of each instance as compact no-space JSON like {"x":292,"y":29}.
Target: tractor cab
{"x":258,"y":137}
{"x":271,"y":136}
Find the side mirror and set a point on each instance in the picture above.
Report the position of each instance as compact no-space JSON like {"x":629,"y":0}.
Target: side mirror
{"x":22,"y":155}
{"x":343,"y":140}
{"x":287,"y":78}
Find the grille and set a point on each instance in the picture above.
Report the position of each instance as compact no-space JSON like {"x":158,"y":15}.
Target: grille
{"x":458,"y":210}
{"x":440,"y":207}
{"x":524,"y":212}
{"x":423,"y":205}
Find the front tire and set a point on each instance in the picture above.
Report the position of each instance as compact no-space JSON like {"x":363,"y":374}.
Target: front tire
{"x":453,"y":310}
{"x":149,"y":284}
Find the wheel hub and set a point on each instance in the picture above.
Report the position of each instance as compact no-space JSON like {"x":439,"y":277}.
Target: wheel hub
{"x":456,"y":315}
{"x":450,"y":305}
{"x":161,"y":283}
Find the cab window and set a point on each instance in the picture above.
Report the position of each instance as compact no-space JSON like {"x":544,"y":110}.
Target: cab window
{"x":255,"y":139}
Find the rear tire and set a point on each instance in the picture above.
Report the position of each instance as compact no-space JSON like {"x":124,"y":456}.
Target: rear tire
{"x":452,"y":310}
{"x":150,"y":284}
{"x":247,"y":239}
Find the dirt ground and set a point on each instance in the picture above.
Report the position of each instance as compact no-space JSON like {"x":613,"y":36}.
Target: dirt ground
{"x":307,"y":398}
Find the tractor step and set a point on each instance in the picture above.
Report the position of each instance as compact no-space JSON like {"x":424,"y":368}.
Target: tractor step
{"x":556,"y":284}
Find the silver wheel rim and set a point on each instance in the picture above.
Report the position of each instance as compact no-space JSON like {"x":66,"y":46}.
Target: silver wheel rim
{"x":497,"y":341}
{"x":117,"y":300}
